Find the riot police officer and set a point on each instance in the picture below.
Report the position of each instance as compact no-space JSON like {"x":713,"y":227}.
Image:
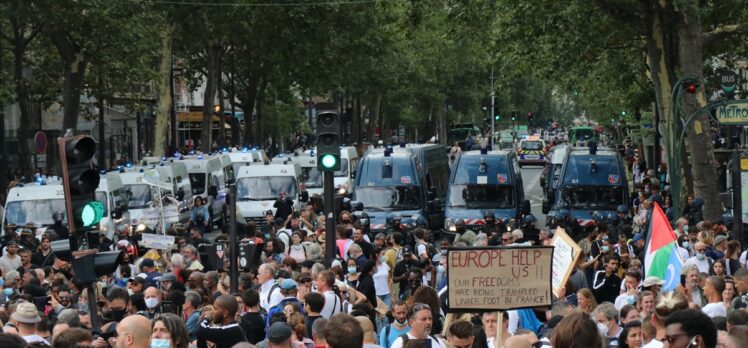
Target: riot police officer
{"x":58,"y":227}
{"x":529,"y":231}
{"x":489,"y":225}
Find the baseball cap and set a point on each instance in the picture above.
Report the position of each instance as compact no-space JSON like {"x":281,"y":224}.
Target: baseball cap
{"x":719,"y":239}
{"x":407,"y":251}
{"x":652,"y":280}
{"x":147,"y":263}
{"x":279,"y":333}
{"x":637,"y":237}
{"x":269,"y":212}
{"x":288,"y":284}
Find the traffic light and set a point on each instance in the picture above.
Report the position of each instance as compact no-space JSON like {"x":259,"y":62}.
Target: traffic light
{"x":623,"y":113}
{"x":80,"y":181}
{"x":691,"y":87}
{"x":496,"y":114}
{"x":530,"y":115}
{"x":514,"y":115}
{"x":90,"y":265}
{"x":328,"y":141}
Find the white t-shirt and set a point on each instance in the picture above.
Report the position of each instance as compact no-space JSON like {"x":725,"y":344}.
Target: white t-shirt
{"x":702,"y":265}
{"x":381,"y":279}
{"x":275,"y":297}
{"x":715,"y":310}
{"x":332,"y":306}
{"x":653,"y":344}
{"x":435,"y":342}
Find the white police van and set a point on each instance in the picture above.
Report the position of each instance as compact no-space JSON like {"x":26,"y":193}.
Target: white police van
{"x":258,"y":187}
{"x":206,"y":175}
{"x":36,"y":203}
{"x":308,"y":163}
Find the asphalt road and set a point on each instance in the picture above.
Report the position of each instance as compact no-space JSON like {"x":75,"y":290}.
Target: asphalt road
{"x":534,"y":192}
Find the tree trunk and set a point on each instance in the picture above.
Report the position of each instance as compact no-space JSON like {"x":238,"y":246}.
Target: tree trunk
{"x":22,"y":97}
{"x":260,"y":135}
{"x":691,"y":57}
{"x":163,"y":107}
{"x":373,"y":119}
{"x":213,"y":58}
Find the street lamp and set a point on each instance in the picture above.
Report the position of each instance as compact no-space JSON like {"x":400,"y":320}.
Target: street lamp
{"x":691,"y":83}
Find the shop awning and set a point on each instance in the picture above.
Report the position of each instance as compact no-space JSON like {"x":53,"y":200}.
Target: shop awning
{"x":193,"y":116}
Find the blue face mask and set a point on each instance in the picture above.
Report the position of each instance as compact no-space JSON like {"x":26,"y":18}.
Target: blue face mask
{"x":267,"y":236}
{"x":351,"y":269}
{"x":160,"y":343}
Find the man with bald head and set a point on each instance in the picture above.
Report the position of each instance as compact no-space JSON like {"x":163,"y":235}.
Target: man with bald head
{"x":134,"y":332}
{"x":221,"y":328}
{"x":700,"y":260}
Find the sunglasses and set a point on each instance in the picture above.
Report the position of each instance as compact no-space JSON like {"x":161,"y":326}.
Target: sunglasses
{"x":304,"y":281}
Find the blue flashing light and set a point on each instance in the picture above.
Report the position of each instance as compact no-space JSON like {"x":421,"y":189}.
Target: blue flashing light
{"x":245,"y":150}
{"x":225,"y":149}
{"x":280,"y":155}
{"x":199,"y":156}
{"x":102,"y":172}
{"x":176,"y":154}
{"x":311,"y":152}
{"x":192,"y":152}
{"x":39,"y":180}
{"x":129,"y":165}
{"x":163,"y":158}
{"x":142,"y":170}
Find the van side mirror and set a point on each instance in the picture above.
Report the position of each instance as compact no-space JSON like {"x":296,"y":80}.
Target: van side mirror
{"x":213,"y":191}
{"x":353,"y":174}
{"x":304,"y":196}
{"x":180,"y":194}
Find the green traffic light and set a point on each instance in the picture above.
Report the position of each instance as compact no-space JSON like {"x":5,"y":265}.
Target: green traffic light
{"x":623,"y":113}
{"x":497,"y":117}
{"x":329,"y":161}
{"x":92,"y":213}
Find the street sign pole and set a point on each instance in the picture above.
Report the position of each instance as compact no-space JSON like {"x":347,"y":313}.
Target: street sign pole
{"x":329,"y":205}
{"x":233,"y":248}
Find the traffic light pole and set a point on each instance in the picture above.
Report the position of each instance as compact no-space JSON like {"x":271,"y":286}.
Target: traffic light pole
{"x":233,"y":247}
{"x":329,"y":205}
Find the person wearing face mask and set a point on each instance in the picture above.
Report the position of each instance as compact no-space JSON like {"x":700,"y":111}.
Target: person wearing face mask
{"x":116,"y":304}
{"x":700,"y":260}
{"x":221,"y":328}
{"x":398,"y":326}
{"x":169,"y":331}
{"x":152,"y":302}
{"x":381,"y":278}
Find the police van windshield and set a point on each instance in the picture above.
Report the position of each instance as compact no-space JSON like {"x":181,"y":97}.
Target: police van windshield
{"x":140,"y":196}
{"x":390,"y":197}
{"x":313,"y":177}
{"x":197,"y":181}
{"x":265,"y":188}
{"x":532,"y":145}
{"x":592,"y":197}
{"x":481,"y":196}
{"x":38,"y":211}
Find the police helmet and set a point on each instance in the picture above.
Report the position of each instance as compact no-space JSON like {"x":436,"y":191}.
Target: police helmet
{"x":621,"y":209}
{"x":58,"y":216}
{"x":528,"y":219}
{"x":489,"y":214}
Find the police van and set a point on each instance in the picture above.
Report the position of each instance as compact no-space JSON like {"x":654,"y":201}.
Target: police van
{"x":592,"y":183}
{"x":172,"y":181}
{"x":307,"y":160}
{"x":247,"y":156}
{"x":207,"y":180}
{"x":482,"y":181}
{"x":346,"y":175}
{"x":176,"y":176}
{"x":531,"y":151}
{"x":258,"y":187}
{"x":36,"y":203}
{"x":407,"y":180}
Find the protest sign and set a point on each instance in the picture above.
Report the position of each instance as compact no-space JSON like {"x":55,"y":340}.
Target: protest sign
{"x":498,"y":278}
{"x":565,"y":254}
{"x":158,"y":241}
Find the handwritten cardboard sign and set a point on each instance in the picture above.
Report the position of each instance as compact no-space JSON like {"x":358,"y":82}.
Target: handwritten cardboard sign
{"x":565,"y":254}
{"x":498,"y":278}
{"x":158,"y":241}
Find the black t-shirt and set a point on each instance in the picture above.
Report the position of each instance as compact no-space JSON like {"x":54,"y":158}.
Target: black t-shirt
{"x":403,"y":268}
{"x":366,"y":248}
{"x":254,"y":327}
{"x":284,"y":208}
{"x":366,"y":287}
{"x":309,"y":322}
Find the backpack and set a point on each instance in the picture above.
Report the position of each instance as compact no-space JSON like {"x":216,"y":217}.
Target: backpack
{"x":263,"y":312}
{"x":430,"y":250}
{"x":279,"y":308}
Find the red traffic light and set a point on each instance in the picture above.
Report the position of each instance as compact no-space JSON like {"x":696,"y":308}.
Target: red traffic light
{"x":692,"y":87}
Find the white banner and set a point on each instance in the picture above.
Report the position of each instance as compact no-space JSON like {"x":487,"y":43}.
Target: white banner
{"x":157,"y":241}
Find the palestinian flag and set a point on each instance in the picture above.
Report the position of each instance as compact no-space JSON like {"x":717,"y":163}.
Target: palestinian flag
{"x":662,"y":259}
